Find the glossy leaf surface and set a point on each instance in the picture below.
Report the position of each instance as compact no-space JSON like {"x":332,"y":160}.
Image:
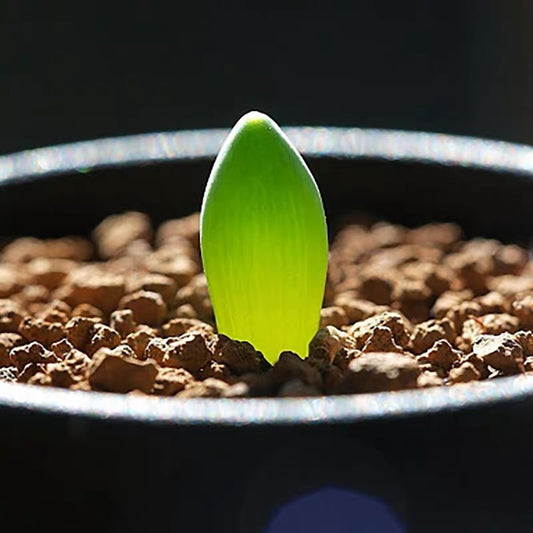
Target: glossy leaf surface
{"x":264,"y":240}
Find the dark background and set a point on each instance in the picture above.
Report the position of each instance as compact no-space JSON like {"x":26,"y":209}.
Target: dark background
{"x":79,"y":70}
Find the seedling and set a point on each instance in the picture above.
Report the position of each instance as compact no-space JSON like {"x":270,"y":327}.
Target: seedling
{"x":264,"y":240}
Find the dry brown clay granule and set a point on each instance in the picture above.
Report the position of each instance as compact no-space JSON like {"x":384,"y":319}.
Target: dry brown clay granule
{"x":128,"y":312}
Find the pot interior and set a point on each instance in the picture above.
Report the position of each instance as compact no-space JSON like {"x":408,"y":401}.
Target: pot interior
{"x":485,"y":202}
{"x":485,"y":199}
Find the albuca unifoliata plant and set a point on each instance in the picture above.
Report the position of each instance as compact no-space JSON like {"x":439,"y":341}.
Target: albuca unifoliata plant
{"x":264,"y":240}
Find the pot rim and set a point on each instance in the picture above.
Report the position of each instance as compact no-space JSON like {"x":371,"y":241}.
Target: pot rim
{"x":424,"y":147}
{"x":396,"y":145}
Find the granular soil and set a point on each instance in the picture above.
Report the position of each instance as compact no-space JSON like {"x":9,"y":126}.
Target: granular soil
{"x":128,"y":311}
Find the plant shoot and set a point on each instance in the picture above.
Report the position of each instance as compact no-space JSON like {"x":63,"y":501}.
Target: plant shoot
{"x":264,"y":240}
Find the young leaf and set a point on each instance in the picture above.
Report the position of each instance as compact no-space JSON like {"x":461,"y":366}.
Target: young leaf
{"x":264,"y":240}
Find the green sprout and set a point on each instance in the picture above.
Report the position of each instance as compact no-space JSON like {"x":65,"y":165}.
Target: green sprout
{"x":264,"y":240}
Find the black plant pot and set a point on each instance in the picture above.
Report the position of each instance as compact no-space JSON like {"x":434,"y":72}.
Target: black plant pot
{"x":431,"y":460}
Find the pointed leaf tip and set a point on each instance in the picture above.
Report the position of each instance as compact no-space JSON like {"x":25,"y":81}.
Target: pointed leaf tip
{"x":256,"y":118}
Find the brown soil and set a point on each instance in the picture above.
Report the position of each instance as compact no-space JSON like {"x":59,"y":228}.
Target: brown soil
{"x":128,"y":312}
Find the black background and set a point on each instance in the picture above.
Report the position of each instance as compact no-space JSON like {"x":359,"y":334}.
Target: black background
{"x":81,"y":70}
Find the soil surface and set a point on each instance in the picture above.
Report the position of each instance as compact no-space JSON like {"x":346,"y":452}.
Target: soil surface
{"x":128,"y":311}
